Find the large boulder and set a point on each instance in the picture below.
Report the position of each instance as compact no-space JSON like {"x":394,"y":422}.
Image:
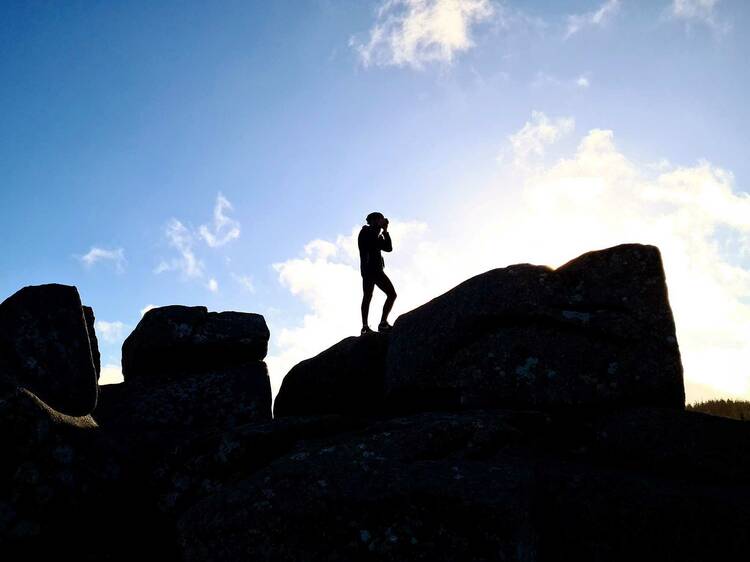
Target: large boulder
{"x":216,"y":398}
{"x":204,"y":464}
{"x":347,"y":378}
{"x":45,"y":347}
{"x":474,"y":485}
{"x":397,"y":491}
{"x":67,"y":489}
{"x":597,"y":331}
{"x":178,"y":340}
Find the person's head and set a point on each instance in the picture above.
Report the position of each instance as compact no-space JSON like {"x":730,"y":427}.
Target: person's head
{"x":375,"y":219}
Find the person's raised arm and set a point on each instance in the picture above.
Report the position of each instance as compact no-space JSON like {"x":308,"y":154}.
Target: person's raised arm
{"x":384,"y":242}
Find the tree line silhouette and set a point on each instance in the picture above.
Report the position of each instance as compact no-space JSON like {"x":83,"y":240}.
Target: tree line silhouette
{"x":735,"y":409}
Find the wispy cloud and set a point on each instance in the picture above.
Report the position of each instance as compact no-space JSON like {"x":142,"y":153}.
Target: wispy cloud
{"x":181,"y":239}
{"x":96,"y":254}
{"x":245,"y":281}
{"x":224,"y":229}
{"x":699,"y":11}
{"x":111,"y":332}
{"x":184,"y":239}
{"x":595,"y":18}
{"x":538,"y":133}
{"x":545,"y":80}
{"x":416,"y":32}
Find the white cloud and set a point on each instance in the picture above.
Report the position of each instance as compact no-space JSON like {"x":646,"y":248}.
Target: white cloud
{"x":699,"y":11}
{"x":111,"y":332}
{"x":595,"y":18}
{"x":146,"y":308}
{"x":182,"y":240}
{"x":111,"y":374}
{"x":95,"y":254}
{"x":536,"y":135}
{"x":245,"y":281}
{"x":415,"y":32}
{"x":225,"y":229}
{"x":594,"y":198}
{"x":546,"y":81}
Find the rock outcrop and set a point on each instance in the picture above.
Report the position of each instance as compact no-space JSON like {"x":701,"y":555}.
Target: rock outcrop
{"x":190,"y":370}
{"x":193,"y":402}
{"x":625,"y":485}
{"x":347,"y":378}
{"x":45,"y":347}
{"x":597,"y":331}
{"x":68,"y":490}
{"x":551,"y":428}
{"x":178,"y":340}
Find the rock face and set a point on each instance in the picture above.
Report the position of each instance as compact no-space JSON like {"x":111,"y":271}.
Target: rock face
{"x":487,"y":485}
{"x":44,"y":347}
{"x":176,"y":340}
{"x":67,"y":488}
{"x":597,"y":331}
{"x":520,"y":468}
{"x":88,"y":314}
{"x":193,"y":402}
{"x":347,"y":378}
{"x":190,"y":370}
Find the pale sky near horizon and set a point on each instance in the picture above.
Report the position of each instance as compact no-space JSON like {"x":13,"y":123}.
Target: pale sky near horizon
{"x":226,"y":155}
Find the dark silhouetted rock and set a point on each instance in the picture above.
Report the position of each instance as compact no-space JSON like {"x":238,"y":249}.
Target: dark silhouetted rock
{"x":397,"y":491}
{"x":88,"y":314}
{"x":596,"y":331}
{"x":477,"y":485}
{"x":207,"y":463}
{"x":44,"y":347}
{"x":565,"y":440}
{"x":187,"y":402}
{"x":178,"y":340}
{"x":67,"y":489}
{"x":347,"y":378}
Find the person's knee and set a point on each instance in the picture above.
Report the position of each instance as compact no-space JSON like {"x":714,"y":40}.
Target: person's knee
{"x":392,"y":295}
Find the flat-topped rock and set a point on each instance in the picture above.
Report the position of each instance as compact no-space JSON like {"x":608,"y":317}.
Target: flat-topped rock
{"x":596,"y":331}
{"x":346,"y":378}
{"x":173,"y":340}
{"x":44,"y":347}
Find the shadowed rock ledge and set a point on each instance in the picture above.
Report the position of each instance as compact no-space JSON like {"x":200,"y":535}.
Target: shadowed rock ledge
{"x":347,"y":378}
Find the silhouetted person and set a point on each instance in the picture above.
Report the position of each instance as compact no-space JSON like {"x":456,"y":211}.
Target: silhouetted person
{"x":371,"y":265}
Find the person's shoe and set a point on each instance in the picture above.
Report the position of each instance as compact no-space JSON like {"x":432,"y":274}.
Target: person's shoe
{"x":384,"y":327}
{"x":365,"y":330}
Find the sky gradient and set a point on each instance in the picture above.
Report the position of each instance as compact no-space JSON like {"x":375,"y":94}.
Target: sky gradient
{"x":226,"y":155}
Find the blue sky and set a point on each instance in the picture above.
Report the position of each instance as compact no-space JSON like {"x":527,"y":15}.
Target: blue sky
{"x":223,"y":154}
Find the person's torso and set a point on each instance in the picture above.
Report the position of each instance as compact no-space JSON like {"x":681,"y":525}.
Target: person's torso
{"x":370,"y":258}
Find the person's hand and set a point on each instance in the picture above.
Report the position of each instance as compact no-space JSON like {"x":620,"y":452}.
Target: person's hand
{"x":385,"y":224}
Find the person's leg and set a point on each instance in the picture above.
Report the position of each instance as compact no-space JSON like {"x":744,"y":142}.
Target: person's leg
{"x":368,"y":285}
{"x":385,"y":285}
